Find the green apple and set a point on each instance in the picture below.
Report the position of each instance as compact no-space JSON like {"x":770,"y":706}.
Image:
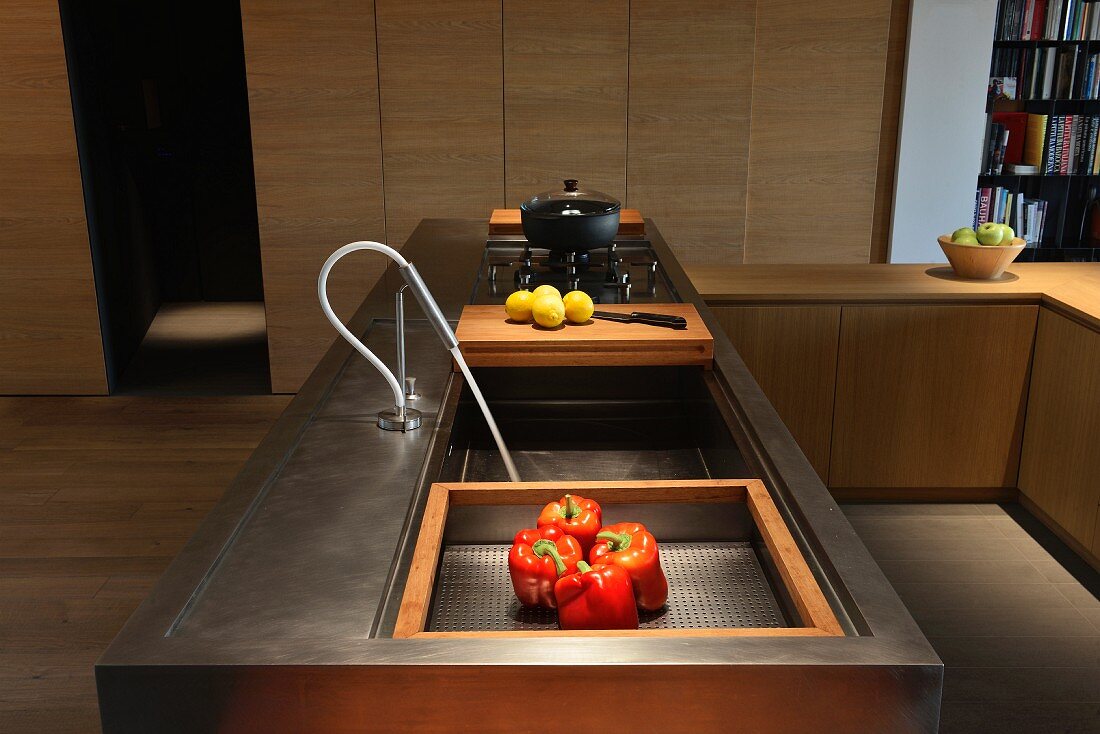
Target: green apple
{"x":966,"y":239}
{"x":963,"y":232}
{"x":991,"y":233}
{"x":1007,"y":235}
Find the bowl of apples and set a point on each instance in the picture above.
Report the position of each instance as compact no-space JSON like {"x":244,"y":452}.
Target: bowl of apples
{"x":981,"y":254}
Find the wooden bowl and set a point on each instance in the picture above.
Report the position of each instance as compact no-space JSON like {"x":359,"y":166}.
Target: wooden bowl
{"x":980,"y":262}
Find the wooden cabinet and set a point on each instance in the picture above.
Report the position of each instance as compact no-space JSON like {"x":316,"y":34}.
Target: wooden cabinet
{"x":690,"y":97}
{"x":50,"y":339}
{"x":792,"y":353}
{"x":1060,"y":466}
{"x":816,"y":111}
{"x":565,"y":85}
{"x":442,"y":101}
{"x":318,"y":167}
{"x":930,"y":396}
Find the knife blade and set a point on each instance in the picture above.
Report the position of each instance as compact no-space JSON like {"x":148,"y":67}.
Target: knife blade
{"x":639,"y":317}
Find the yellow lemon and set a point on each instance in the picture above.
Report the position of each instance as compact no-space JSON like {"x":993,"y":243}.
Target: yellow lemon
{"x":543,"y":290}
{"x":548,"y":310}
{"x":578,"y":306}
{"x":518,"y":306}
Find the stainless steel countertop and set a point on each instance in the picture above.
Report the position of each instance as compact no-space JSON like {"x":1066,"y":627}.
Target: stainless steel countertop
{"x":291,"y":566}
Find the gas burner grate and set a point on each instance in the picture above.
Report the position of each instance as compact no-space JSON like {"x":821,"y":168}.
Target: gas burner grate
{"x":711,"y":585}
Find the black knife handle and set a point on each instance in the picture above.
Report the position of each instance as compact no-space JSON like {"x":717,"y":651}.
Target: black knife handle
{"x":659,"y":319}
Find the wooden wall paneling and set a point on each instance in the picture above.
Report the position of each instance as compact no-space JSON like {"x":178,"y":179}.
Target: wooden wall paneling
{"x":930,"y":396}
{"x":565,"y":85}
{"x":50,"y":339}
{"x":442,"y":97}
{"x":312,"y":86}
{"x":888,"y":129}
{"x":792,"y":353}
{"x":816,"y":117}
{"x":1060,"y":462}
{"x":690,"y":101}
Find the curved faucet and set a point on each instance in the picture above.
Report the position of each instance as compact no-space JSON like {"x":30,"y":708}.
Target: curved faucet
{"x":322,"y":296}
{"x":401,"y":417}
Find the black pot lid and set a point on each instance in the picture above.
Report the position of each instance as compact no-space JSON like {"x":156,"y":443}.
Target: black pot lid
{"x":570,"y":201}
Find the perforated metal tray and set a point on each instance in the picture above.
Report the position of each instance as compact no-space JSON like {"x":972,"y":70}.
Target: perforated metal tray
{"x":711,"y":585}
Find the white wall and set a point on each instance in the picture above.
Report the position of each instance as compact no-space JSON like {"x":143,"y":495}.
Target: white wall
{"x":942,"y":124}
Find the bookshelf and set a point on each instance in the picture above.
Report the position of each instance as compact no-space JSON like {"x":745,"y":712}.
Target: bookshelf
{"x":1062,"y":50}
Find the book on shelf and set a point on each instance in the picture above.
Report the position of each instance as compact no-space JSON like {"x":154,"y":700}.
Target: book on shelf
{"x":1045,"y":72}
{"x":996,"y":142}
{"x":1035,"y":136}
{"x":1016,"y":125}
{"x":1025,"y":215}
{"x":1054,"y":20}
{"x":1062,"y":145}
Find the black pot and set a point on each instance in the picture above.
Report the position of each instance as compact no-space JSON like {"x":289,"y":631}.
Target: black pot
{"x":570,"y":220}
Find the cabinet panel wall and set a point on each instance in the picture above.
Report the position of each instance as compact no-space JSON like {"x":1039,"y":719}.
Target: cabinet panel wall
{"x":1060,"y":462}
{"x":313,"y":99}
{"x":565,"y":90}
{"x":691,"y":67}
{"x":931,"y":396}
{"x":792,"y":353}
{"x":442,"y":98}
{"x":50,"y":338}
{"x":816,"y":114}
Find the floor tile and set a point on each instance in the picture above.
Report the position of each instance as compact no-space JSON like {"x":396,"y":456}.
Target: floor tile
{"x":967,"y":572}
{"x":1020,"y":716}
{"x":1022,"y":684}
{"x":1027,"y":652}
{"x":926,"y":528}
{"x":922,"y":596}
{"x":907,"y":509}
{"x":993,"y":548}
{"x":1053,"y":571}
{"x":1078,"y":595}
{"x":1016,"y":620}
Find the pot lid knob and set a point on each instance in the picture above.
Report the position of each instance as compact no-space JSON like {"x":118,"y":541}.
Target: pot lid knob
{"x":570,"y":184}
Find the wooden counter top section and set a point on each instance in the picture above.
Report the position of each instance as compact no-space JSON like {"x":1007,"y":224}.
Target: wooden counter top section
{"x":1073,"y":288}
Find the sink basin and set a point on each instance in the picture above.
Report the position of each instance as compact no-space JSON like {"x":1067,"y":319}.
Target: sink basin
{"x":600,"y":423}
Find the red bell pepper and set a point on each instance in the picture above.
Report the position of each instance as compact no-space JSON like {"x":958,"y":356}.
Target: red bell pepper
{"x":600,"y":598}
{"x":576,"y":516}
{"x":630,"y":546}
{"x":537,"y":559}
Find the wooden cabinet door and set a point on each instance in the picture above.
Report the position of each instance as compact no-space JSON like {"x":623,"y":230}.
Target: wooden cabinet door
{"x":318,"y":167}
{"x":442,"y":100}
{"x":690,"y":92}
{"x":792,"y":352}
{"x":930,"y":396}
{"x":50,"y":342}
{"x":564,"y":97}
{"x":1060,"y":466}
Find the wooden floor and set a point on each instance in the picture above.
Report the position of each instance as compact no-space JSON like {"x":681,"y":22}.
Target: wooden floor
{"x":96,"y":496}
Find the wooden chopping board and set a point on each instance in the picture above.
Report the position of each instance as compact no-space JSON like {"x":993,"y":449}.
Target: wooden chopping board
{"x":488,"y":339}
{"x":507,"y":221}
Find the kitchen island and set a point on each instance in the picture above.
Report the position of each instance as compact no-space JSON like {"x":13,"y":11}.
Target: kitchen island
{"x":279,"y":614}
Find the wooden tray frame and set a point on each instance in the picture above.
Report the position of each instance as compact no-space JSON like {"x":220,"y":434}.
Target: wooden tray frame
{"x":795,"y":575}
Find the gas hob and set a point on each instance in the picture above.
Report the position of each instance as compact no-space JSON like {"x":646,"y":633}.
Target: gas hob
{"x":626,"y":272}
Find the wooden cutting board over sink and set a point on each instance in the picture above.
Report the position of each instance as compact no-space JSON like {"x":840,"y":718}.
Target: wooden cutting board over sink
{"x":488,"y":338}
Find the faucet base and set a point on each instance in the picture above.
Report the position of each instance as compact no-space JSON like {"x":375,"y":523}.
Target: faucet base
{"x":399,"y":419}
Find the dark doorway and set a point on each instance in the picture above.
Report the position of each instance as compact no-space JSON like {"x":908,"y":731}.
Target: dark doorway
{"x":161,"y":107}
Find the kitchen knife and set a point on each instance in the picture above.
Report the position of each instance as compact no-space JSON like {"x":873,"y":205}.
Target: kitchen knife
{"x":637,"y":317}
